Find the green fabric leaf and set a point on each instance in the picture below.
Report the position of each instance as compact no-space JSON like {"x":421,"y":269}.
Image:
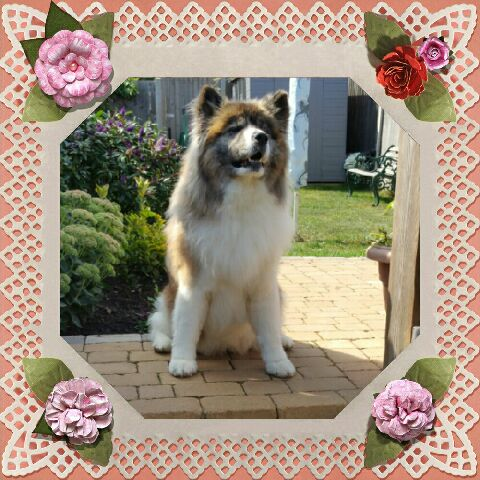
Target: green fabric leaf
{"x":434,"y":374}
{"x":101,"y":27}
{"x":380,"y":448}
{"x":99,"y":452}
{"x":434,"y":104}
{"x":383,"y":35}
{"x":43,"y":427}
{"x":58,"y":19}
{"x":40,"y":107}
{"x":31,"y":48}
{"x":43,"y":374}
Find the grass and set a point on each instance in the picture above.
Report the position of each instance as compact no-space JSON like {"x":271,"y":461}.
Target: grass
{"x":331,"y":224}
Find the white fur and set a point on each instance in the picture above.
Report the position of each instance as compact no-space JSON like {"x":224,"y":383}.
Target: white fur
{"x":239,"y":251}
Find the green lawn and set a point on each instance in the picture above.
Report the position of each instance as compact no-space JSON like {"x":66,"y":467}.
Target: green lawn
{"x":331,"y":224}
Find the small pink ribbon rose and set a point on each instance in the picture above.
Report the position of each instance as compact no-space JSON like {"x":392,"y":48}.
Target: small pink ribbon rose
{"x":404,"y":410}
{"x":435,"y":52}
{"x":73,"y":67}
{"x":78,"y":408}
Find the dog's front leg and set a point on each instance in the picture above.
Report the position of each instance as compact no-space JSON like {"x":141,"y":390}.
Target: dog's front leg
{"x":188,"y":319}
{"x":265,"y":315}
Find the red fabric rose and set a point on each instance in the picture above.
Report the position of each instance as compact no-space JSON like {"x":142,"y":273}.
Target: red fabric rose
{"x":403,"y":73}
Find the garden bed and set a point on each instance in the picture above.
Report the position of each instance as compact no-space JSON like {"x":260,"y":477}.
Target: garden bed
{"x":124,"y":308}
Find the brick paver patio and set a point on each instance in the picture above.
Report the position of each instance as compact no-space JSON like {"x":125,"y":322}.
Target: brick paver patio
{"x":335,"y":314}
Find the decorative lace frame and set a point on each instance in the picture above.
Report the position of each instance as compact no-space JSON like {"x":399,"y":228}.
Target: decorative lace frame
{"x":31,"y":163}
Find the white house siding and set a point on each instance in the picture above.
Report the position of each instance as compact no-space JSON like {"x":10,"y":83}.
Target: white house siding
{"x":328,"y":107}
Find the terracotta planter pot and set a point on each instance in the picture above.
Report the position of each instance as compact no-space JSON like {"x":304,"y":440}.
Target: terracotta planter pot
{"x":382,"y":254}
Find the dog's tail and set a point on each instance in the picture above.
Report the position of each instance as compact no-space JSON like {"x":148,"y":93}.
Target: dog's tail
{"x":159,"y":323}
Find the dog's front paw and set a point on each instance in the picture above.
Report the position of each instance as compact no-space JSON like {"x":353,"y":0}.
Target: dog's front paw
{"x":281,"y":368}
{"x":287,"y":342}
{"x":182,"y":368}
{"x":162,"y":343}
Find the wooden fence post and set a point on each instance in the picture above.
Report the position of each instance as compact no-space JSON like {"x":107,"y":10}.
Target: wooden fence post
{"x":405,"y":245}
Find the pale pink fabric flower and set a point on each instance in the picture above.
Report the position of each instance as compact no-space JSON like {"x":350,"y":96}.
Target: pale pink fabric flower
{"x":73,"y":67}
{"x":77,"y":408}
{"x":435,"y":52}
{"x":404,"y":410}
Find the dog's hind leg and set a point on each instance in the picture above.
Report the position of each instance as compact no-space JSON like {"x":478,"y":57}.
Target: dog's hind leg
{"x":159,"y":322}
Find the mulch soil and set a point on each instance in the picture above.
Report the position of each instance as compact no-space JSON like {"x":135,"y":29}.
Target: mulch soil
{"x":124,"y":309}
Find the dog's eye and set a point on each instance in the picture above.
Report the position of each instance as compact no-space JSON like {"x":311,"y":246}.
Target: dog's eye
{"x":235,"y":128}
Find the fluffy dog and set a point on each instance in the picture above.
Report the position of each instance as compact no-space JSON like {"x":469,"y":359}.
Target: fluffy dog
{"x":228,"y":225}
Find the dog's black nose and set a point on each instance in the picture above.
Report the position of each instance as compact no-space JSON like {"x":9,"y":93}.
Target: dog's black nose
{"x":261,"y":138}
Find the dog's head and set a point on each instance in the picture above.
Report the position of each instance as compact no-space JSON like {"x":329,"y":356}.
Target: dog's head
{"x":239,"y":140}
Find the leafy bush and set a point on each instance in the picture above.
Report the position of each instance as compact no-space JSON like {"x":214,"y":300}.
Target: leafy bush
{"x":114,"y":149}
{"x":146,"y":243}
{"x":128,"y":89}
{"x":381,"y":237}
{"x":91,"y":244}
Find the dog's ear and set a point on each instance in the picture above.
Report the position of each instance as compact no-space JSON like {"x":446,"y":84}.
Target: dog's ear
{"x":208,"y":102}
{"x":277,"y":106}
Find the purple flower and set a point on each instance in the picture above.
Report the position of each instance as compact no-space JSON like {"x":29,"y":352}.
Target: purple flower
{"x":404,"y":410}
{"x":130,"y":127}
{"x":73,"y":67}
{"x":435,"y":52}
{"x":122,"y":110}
{"x":77,"y":408}
{"x":160,"y":144}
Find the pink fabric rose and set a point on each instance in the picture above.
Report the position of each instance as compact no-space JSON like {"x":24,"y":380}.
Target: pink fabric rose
{"x":435,"y":52}
{"x":404,"y":410}
{"x":77,"y":408}
{"x":73,"y":67}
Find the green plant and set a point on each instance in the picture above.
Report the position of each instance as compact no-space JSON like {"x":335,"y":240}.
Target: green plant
{"x":91,"y":239}
{"x":128,"y":89}
{"x":381,"y":237}
{"x":114,"y":148}
{"x":146,"y":245}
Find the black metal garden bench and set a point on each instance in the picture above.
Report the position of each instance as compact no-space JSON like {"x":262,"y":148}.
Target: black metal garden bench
{"x":379,"y":172}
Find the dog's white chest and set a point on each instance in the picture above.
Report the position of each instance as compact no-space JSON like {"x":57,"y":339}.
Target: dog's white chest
{"x":251,"y":230}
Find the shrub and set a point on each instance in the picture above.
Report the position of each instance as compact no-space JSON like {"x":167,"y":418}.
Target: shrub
{"x":91,"y":244}
{"x":114,"y":149}
{"x":146,"y":243}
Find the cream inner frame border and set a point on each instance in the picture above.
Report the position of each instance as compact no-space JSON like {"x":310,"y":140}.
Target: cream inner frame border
{"x":205,"y":59}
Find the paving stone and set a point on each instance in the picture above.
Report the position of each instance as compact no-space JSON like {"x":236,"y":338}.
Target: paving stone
{"x":309,"y":405}
{"x":369,"y":343}
{"x":363,"y":378}
{"x":155,"y":391}
{"x":116,"y":367}
{"x":123,"y":337}
{"x":156,"y":367}
{"x":151,"y":355}
{"x":101,"y":347}
{"x":134,"y":379}
{"x":311,"y":361}
{"x":299,"y":384}
{"x":167,"y":379}
{"x":168,"y":407}
{"x":127,"y":392}
{"x":106,"y":356}
{"x":320,"y":371}
{"x":349,"y":395}
{"x":235,"y":375}
{"x":207,"y":389}
{"x":348,"y":355}
{"x":358,"y":365}
{"x":265,"y":388}
{"x":306,"y":352}
{"x":251,"y":406}
{"x":248,"y":364}
{"x":213,"y":364}
{"x":84,"y":355}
